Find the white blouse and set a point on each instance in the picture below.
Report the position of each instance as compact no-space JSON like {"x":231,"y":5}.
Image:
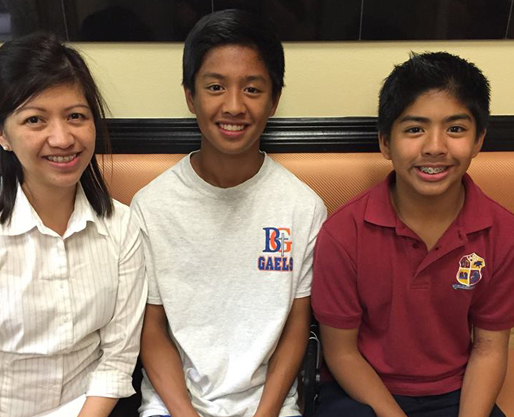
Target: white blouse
{"x":71,"y":307}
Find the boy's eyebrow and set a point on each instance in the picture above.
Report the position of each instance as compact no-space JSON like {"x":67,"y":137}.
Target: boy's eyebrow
{"x":256,"y":78}
{"x":420,"y":119}
{"x":213,"y":75}
{"x":456,"y":117}
{"x":409,"y":118}
{"x":218,"y":76}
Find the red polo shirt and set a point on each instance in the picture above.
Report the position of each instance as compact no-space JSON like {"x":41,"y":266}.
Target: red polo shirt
{"x":414,"y":308}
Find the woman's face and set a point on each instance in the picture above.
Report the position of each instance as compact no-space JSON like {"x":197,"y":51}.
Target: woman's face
{"x":53,"y":136}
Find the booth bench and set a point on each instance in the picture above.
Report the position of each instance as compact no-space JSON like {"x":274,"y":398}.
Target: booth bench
{"x":336,"y":177}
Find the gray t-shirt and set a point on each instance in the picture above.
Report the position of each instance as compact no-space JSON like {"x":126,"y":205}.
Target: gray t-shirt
{"x":227,"y":264}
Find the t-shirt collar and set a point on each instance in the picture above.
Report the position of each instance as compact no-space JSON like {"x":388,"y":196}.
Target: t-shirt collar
{"x":231,"y":193}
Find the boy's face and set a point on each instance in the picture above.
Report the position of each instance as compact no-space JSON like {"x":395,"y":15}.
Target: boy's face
{"x":233,"y":100}
{"x":431,"y":146}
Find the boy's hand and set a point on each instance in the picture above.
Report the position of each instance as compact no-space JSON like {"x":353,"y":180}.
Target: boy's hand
{"x":354,"y":374}
{"x":162,"y":363}
{"x":286,"y":360}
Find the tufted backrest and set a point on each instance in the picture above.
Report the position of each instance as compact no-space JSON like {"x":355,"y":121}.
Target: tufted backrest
{"x":336,"y":177}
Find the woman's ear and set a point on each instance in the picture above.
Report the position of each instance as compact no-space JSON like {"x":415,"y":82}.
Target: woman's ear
{"x":4,"y":143}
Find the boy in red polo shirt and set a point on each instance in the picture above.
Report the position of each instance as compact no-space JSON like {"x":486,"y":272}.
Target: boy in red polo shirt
{"x":413,"y":280}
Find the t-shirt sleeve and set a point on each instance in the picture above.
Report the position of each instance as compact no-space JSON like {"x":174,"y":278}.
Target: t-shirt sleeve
{"x":305,"y":264}
{"x":335,"y":299}
{"x":154,"y":296}
{"x":494,"y":308}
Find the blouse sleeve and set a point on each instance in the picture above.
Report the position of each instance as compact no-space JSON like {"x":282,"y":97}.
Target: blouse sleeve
{"x":120,"y":338}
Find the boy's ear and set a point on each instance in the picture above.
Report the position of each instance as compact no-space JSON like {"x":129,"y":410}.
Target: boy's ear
{"x":189,"y":100}
{"x":478,"y":143}
{"x":384,"y":143}
{"x":275,"y":104}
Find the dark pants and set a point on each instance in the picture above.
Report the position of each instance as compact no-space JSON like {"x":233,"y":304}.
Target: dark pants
{"x":334,"y":402}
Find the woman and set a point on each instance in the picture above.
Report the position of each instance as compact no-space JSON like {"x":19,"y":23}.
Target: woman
{"x":72,"y":287}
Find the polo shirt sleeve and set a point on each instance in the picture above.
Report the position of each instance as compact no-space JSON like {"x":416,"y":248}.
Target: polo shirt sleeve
{"x":335,"y":298}
{"x":305,"y":276}
{"x":494,"y":308}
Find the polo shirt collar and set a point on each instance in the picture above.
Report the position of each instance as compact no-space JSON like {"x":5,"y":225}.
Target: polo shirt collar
{"x":24,"y":218}
{"x":473,"y":217}
{"x":379,"y":209}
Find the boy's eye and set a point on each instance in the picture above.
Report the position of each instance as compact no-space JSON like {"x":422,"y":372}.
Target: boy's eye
{"x":456,"y":129}
{"x":415,"y":129}
{"x":215,"y":87}
{"x":252,"y":90}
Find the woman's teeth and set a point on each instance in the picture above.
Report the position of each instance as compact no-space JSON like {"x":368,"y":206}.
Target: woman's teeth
{"x":62,"y":159}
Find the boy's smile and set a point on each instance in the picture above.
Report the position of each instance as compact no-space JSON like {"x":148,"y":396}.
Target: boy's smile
{"x":232,"y":101}
{"x":431,"y":146}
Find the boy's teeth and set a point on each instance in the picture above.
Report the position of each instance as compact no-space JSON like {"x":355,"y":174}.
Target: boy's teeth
{"x":430,"y":170}
{"x":61,"y":158}
{"x":233,"y":128}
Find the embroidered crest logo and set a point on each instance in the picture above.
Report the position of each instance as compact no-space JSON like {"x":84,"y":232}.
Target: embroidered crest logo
{"x":278,"y":242}
{"x":470,"y":272}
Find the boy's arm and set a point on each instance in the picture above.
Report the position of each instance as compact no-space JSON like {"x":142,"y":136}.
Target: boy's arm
{"x":162,"y":363}
{"x":286,"y":360}
{"x":354,"y":373}
{"x":485,"y":372}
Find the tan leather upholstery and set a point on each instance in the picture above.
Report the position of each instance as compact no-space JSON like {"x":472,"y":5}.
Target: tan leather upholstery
{"x":336,"y":177}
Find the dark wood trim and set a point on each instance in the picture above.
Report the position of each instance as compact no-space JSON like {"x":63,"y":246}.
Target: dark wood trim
{"x":282,"y":135}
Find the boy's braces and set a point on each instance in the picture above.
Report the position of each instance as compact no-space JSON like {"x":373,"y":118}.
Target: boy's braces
{"x":431,"y":170}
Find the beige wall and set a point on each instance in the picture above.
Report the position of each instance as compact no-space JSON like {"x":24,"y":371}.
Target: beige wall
{"x":322,"y":79}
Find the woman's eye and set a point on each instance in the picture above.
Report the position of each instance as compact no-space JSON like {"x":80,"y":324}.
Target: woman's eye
{"x":33,"y":120}
{"x":76,"y":116}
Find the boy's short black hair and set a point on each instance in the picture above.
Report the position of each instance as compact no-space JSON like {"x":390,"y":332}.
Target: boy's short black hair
{"x":433,"y":71}
{"x":234,"y":27}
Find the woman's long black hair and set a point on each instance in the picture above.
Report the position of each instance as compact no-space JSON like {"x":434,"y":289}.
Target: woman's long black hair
{"x":28,"y":66}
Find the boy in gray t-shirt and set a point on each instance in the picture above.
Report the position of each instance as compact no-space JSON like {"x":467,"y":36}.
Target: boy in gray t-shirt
{"x":229,"y":235}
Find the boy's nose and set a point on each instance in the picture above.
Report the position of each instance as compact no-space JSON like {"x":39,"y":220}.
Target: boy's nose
{"x":234,"y":103}
{"x":435,"y":143}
